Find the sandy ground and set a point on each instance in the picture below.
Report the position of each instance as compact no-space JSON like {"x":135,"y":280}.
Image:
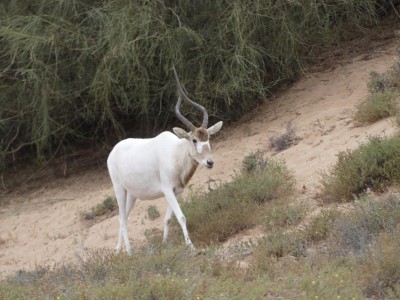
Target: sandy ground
{"x":44,"y":226}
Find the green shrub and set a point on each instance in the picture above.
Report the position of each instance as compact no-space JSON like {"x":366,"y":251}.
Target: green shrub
{"x":153,"y":212}
{"x":379,"y":268}
{"x":284,"y":264}
{"x":374,"y":165}
{"x":254,"y":162}
{"x":109,"y":205}
{"x":378,"y":106}
{"x":285,"y":140}
{"x":332,"y":279}
{"x":236,"y":205}
{"x":83,"y":70}
{"x":284,"y":215}
{"x":383,"y":100}
{"x":355,"y":230}
{"x":320,"y":226}
{"x":277,"y":244}
{"x":389,"y":80}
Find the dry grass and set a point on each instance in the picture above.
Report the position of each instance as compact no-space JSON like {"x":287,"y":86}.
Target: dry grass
{"x":349,"y":255}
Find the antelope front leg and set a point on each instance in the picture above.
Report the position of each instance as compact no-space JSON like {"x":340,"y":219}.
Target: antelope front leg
{"x":174,"y":206}
{"x":167,"y":219}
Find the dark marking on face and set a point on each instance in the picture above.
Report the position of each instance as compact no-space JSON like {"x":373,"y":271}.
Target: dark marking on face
{"x":189,"y":175}
{"x":201,"y":134}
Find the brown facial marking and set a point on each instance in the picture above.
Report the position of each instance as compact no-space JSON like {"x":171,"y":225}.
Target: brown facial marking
{"x":189,"y":175}
{"x":201,"y":134}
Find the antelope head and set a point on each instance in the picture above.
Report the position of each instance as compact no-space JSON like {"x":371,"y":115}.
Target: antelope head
{"x":198,"y":137}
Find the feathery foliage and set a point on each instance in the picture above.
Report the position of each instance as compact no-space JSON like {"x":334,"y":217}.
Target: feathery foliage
{"x":75,"y":70}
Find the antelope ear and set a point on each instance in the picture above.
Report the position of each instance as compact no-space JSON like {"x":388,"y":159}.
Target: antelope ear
{"x":215,"y":128}
{"x":180,"y":133}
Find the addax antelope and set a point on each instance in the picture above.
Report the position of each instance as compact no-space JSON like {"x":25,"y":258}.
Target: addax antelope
{"x":161,"y":166}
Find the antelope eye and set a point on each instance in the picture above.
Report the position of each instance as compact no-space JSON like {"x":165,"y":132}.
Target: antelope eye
{"x":194,"y":141}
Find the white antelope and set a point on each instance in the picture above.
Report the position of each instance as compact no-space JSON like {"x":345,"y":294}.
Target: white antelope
{"x":147,"y":169}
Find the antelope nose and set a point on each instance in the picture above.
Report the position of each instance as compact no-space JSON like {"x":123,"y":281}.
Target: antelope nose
{"x":210,"y":163}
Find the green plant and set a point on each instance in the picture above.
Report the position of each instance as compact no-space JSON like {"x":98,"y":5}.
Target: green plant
{"x":284,"y":264}
{"x":355,"y":230}
{"x":383,"y":100}
{"x":284,"y":215}
{"x":389,"y":80}
{"x":378,"y":106}
{"x":254,"y":162}
{"x":320,"y":226}
{"x":278,"y":244}
{"x":78,"y":70}
{"x":153,"y":212}
{"x":379,"y":268}
{"x":285,"y":140}
{"x":109,"y":205}
{"x":374,"y":165}
{"x":236,"y":205}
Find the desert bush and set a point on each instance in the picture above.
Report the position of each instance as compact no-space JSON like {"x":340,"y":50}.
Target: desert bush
{"x":152,"y":212}
{"x":279,"y":243}
{"x":332,"y":279}
{"x":150,"y":273}
{"x":284,"y":215}
{"x":285,"y":140}
{"x":378,"y":106}
{"x":374,"y":165}
{"x":389,"y":80}
{"x":355,"y":230}
{"x":236,"y":205}
{"x":109,"y":205}
{"x":383,"y":100}
{"x":86,"y":70}
{"x":379,"y":268}
{"x":320,"y":226}
{"x":281,"y":267}
{"x":254,"y":162}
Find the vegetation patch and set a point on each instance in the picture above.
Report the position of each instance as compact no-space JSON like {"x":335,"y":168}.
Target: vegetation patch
{"x":355,"y":230}
{"x":374,"y":165}
{"x":389,"y":80}
{"x":379,"y":267}
{"x":109,"y":206}
{"x":152,"y":212}
{"x":288,"y":261}
{"x":279,"y":243}
{"x":237,"y":205}
{"x":286,"y":140}
{"x":383,"y":100}
{"x":320,"y":226}
{"x":378,"y":106}
{"x":284,"y":215}
{"x":83,"y":70}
